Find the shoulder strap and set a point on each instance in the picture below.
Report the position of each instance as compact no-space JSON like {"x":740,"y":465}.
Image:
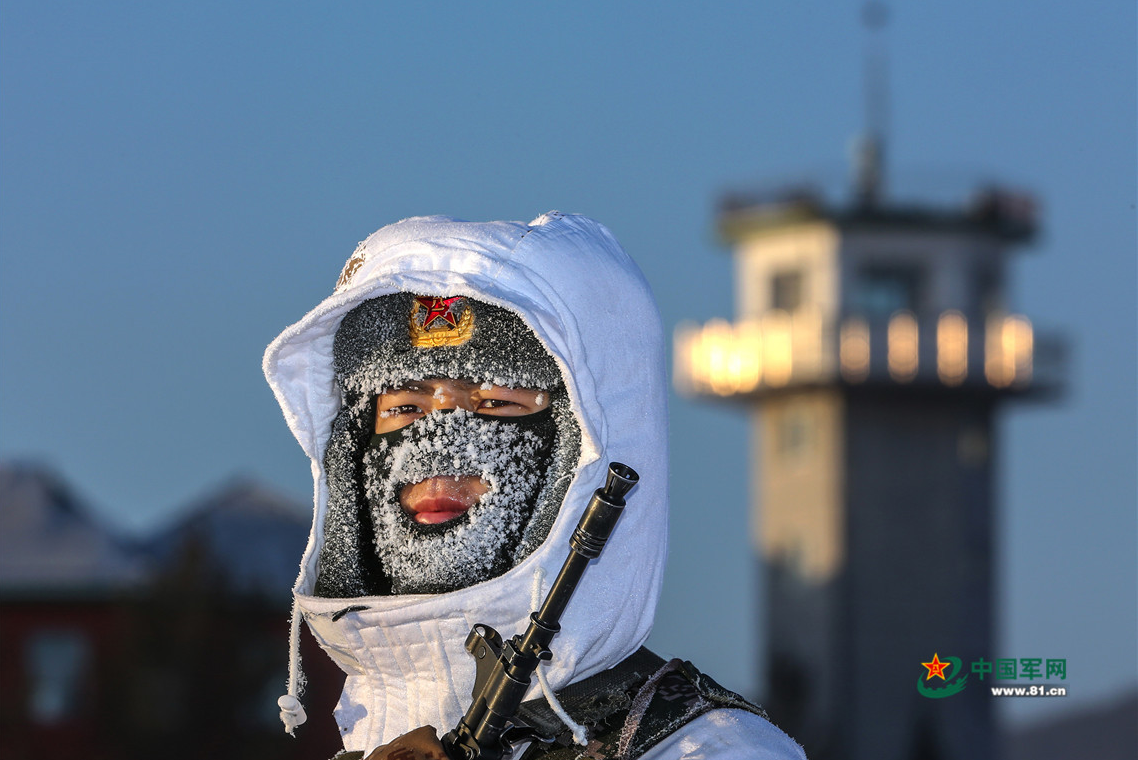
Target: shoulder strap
{"x":596,"y":699}
{"x":634,"y":706}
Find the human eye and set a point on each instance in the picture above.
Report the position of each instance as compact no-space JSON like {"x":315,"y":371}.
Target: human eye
{"x":495,"y":403}
{"x":395,"y":410}
{"x":512,"y":402}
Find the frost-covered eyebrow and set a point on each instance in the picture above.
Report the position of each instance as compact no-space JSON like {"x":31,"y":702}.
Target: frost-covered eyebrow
{"x":424,"y":386}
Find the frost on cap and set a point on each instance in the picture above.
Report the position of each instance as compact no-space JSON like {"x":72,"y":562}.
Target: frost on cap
{"x":374,"y":351}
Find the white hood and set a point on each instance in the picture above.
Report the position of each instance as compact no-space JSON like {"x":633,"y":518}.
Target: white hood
{"x":586,"y":300}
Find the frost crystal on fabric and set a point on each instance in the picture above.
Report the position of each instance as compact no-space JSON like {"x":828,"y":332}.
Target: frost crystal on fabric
{"x":510,"y":454}
{"x":373,"y":351}
{"x":348,"y":562}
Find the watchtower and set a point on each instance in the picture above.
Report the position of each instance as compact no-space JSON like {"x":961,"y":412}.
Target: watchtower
{"x":873,"y":344}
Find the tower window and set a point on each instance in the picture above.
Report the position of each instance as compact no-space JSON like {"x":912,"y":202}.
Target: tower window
{"x":793,"y":433}
{"x":987,"y":288}
{"x":788,"y":290}
{"x":883,"y":289}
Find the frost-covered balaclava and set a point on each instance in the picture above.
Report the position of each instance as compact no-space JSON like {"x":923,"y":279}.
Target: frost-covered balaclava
{"x":371,"y":545}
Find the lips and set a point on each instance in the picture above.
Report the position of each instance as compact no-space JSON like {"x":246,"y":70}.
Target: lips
{"x":441,"y":499}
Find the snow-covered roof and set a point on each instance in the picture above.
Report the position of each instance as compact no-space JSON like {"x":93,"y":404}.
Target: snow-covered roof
{"x":50,"y":542}
{"x":251,"y":535}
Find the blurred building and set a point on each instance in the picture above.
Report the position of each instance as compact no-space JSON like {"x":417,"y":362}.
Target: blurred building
{"x":873,"y":343}
{"x":111,"y":649}
{"x":63,"y":577}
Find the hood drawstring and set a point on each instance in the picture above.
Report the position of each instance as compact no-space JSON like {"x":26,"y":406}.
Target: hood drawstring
{"x":292,"y":711}
{"x":580,"y":734}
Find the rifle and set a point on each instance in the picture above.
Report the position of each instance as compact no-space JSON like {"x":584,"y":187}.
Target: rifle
{"x":490,"y":729}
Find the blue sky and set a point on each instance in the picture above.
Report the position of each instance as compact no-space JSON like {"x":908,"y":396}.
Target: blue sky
{"x":178,"y":182}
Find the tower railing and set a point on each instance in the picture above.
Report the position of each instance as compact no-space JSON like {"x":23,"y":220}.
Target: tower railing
{"x":779,"y":350}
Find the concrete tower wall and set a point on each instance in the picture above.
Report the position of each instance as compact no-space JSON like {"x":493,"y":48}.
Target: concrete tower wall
{"x":875,"y":523}
{"x":918,"y":579}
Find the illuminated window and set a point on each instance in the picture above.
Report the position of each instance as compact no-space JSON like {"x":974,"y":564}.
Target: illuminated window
{"x":952,"y":347}
{"x":903,"y":347}
{"x":56,"y":663}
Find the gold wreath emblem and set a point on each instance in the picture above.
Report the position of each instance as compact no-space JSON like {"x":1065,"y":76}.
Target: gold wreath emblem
{"x":440,"y":321}
{"x":351,"y":266}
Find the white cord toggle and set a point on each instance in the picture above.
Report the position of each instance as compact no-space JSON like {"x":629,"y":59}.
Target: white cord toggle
{"x":292,"y":712}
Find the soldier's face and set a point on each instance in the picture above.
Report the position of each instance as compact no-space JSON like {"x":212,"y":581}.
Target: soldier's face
{"x":441,"y":499}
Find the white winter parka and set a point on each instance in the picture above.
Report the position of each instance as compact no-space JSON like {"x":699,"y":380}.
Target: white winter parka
{"x":573,"y":285}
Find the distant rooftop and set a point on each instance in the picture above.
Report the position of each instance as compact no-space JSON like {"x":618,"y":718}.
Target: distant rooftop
{"x":1005,"y":213}
{"x":52,"y":545}
{"x":50,"y":541}
{"x":253,"y":535}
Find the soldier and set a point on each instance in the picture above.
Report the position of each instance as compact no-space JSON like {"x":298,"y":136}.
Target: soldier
{"x":460,"y":394}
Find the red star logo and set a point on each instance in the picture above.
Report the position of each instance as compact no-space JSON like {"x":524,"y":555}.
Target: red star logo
{"x":935,"y":668}
{"x":438,"y":308}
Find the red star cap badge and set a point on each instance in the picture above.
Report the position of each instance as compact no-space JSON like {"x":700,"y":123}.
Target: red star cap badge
{"x":438,"y":308}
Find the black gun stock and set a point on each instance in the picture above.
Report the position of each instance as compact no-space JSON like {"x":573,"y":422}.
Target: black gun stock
{"x":490,"y":729}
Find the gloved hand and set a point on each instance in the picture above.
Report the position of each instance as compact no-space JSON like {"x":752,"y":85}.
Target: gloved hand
{"x":420,"y":744}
